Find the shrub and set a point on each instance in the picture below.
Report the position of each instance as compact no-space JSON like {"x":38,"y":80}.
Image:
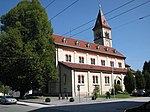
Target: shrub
{"x":107,"y":95}
{"x":47,"y":100}
{"x":94,"y":97}
{"x":113,"y":92}
{"x":117,"y":88}
{"x":71,"y":99}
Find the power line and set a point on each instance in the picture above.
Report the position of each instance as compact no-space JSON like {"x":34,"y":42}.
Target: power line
{"x":129,"y":10}
{"x":81,"y":31}
{"x":64,"y":9}
{"x":132,"y":21}
{"x":141,"y":18}
{"x":119,"y":15}
{"x":50,"y":3}
{"x":103,"y":14}
{"x":144,"y":17}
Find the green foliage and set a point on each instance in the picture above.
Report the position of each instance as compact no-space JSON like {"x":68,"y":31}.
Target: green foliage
{"x":129,"y":82}
{"x":117,"y":88}
{"x":140,"y":81}
{"x":146,"y":67}
{"x":108,"y":95}
{"x":146,"y":72}
{"x":147,"y":80}
{"x":71,"y":99}
{"x":95,"y":92}
{"x":47,"y":100}
{"x":27,"y":52}
{"x":4,"y":89}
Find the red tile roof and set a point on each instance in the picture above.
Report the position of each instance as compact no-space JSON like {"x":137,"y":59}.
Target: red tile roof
{"x":70,"y":42}
{"x":94,"y":68}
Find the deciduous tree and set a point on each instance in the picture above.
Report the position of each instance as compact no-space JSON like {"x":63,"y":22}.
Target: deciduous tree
{"x":129,"y":82}
{"x":140,"y":81}
{"x":27,"y":52}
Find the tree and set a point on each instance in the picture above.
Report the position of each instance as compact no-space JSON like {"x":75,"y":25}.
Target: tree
{"x":147,"y":79}
{"x":146,"y":72}
{"x":4,"y":89}
{"x":129,"y":82}
{"x":146,"y":67}
{"x":27,"y":52}
{"x":140,"y":81}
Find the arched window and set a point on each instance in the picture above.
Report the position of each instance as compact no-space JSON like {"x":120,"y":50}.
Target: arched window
{"x":107,"y":80}
{"x":79,"y":79}
{"x":68,"y":58}
{"x":96,"y":79}
{"x":82,"y":79}
{"x":93,"y":79}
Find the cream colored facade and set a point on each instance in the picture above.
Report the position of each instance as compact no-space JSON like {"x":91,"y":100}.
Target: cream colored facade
{"x":87,"y":65}
{"x":69,"y":77}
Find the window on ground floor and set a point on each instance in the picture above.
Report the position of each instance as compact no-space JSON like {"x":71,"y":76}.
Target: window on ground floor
{"x":95,"y":79}
{"x":81,"y":79}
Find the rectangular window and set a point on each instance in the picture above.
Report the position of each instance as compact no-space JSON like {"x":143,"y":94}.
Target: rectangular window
{"x":112,"y":64}
{"x":92,"y":61}
{"x":120,"y":65}
{"x":103,"y":62}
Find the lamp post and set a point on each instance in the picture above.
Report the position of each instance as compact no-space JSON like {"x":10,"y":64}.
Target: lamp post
{"x":78,"y":88}
{"x":113,"y":85}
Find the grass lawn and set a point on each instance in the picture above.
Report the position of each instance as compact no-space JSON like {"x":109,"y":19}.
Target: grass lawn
{"x":117,"y":96}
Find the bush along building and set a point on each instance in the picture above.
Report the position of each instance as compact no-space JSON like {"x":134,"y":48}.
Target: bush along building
{"x":82,"y":65}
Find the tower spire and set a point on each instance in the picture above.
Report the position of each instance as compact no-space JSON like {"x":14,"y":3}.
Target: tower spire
{"x":102,"y":30}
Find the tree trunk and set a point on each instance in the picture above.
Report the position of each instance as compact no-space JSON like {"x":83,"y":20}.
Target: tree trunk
{"x":22,"y":94}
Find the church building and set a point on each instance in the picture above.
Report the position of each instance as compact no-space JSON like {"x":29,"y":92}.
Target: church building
{"x":83,"y":65}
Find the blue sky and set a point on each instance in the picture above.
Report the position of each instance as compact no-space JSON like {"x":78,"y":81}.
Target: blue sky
{"x":130,"y":35}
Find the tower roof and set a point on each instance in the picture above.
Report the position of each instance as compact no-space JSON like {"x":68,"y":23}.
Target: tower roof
{"x":101,"y":20}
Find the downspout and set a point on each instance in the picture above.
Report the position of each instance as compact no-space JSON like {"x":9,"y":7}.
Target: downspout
{"x":59,"y":68}
{"x":88,"y":83}
{"x":59,"y":79}
{"x":101,"y":81}
{"x":74,"y":83}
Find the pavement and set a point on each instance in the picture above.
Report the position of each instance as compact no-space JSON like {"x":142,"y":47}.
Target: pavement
{"x":78,"y":101}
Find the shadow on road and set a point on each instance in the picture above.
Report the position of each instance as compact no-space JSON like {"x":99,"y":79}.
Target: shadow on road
{"x":97,"y":107}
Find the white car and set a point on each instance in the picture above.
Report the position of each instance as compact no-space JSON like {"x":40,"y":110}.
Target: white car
{"x":8,"y":100}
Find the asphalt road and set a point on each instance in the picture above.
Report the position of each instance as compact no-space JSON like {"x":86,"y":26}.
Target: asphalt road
{"x":113,"y":106}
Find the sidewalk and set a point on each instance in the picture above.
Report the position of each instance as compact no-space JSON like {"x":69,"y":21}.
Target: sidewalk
{"x":56,"y":102}
{"x":62,"y":102}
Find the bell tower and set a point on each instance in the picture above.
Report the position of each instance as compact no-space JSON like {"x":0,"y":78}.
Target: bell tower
{"x":102,"y":31}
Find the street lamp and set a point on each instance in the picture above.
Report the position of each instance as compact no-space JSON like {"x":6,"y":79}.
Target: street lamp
{"x":113,"y":85}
